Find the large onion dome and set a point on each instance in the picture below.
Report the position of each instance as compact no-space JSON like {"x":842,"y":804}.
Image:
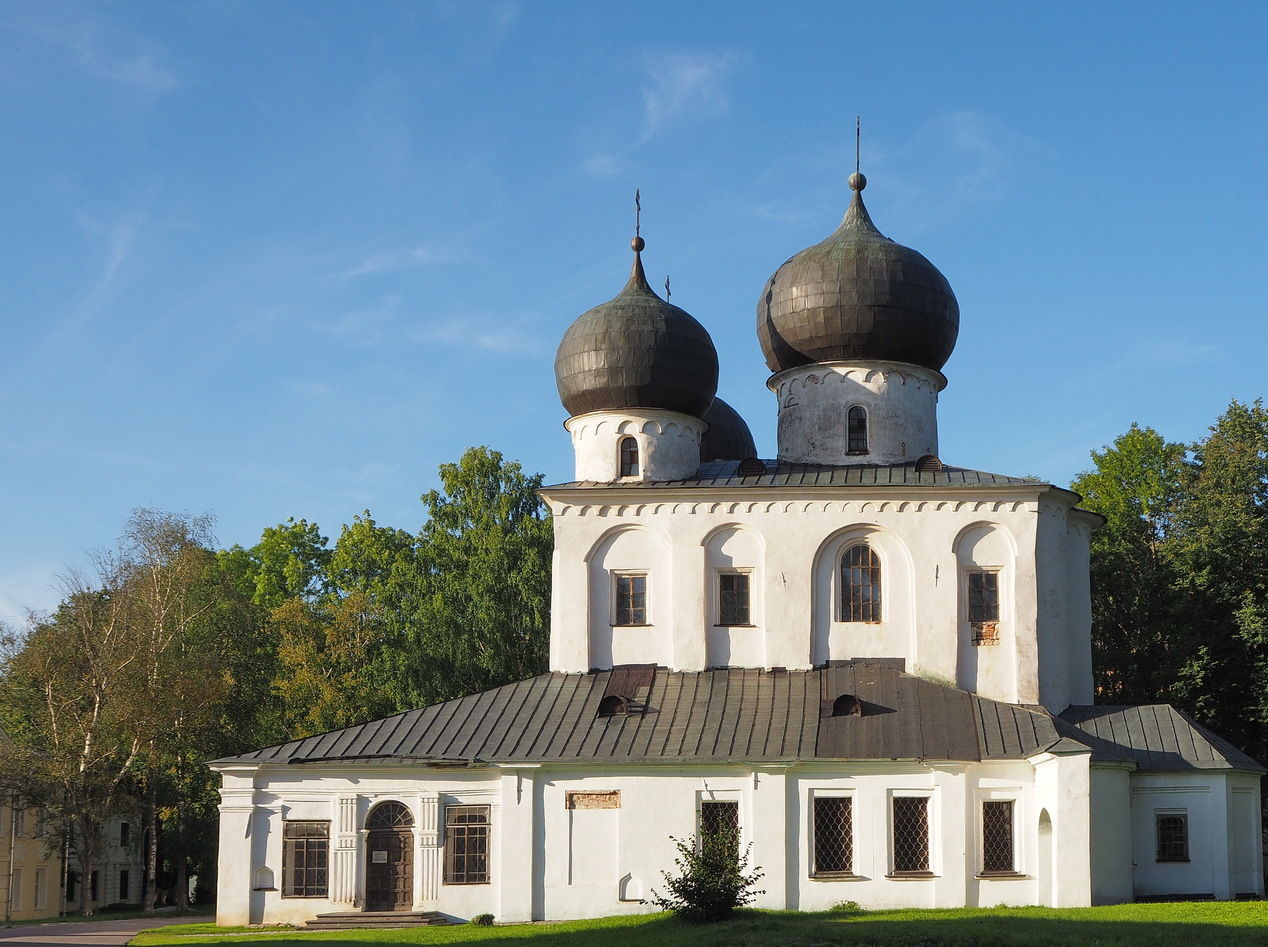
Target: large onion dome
{"x":857,"y":295}
{"x":636,"y":351}
{"x":728,"y":437}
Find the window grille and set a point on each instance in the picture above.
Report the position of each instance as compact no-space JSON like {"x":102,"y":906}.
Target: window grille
{"x":997,"y":836}
{"x":911,"y":833}
{"x":834,"y":835}
{"x":389,"y":815}
{"x":720,"y":825}
{"x":733,"y":598}
{"x":629,"y":457}
{"x":1172,"y":834}
{"x":983,"y":597}
{"x":856,"y":431}
{"x":631,"y":600}
{"x":860,"y":584}
{"x":466,"y":845}
{"x":305,"y":850}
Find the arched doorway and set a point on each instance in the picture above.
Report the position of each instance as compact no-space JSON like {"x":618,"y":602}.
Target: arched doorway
{"x":389,"y":871}
{"x":1045,"y":859}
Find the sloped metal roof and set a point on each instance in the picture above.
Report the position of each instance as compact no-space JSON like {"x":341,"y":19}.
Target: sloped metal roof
{"x":775,"y":473}
{"x":706,"y":716}
{"x":1155,"y":736}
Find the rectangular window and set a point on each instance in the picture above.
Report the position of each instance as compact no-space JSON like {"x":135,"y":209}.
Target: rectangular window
{"x":911,"y":834}
{"x":92,"y":888}
{"x":631,"y":598}
{"x":41,"y":887}
{"x":305,"y":855}
{"x":19,"y":821}
{"x":733,"y":598}
{"x":720,"y":824}
{"x":833,"y":835}
{"x":123,"y":885}
{"x":466,"y":845}
{"x":1171,"y":830}
{"x":983,"y":597}
{"x":125,"y":834}
{"x":997,"y":837}
{"x":15,"y":889}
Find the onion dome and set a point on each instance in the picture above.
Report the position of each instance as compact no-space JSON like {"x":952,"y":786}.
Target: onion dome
{"x":728,"y":437}
{"x":857,"y":295}
{"x":636,"y":351}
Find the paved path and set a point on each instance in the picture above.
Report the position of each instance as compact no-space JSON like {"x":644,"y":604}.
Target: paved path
{"x":90,"y":932}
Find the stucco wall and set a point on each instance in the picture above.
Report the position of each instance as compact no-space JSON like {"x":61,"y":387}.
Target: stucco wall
{"x":926,"y":540}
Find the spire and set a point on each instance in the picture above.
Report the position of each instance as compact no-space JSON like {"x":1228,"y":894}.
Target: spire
{"x":638,"y":279}
{"x":857,"y":219}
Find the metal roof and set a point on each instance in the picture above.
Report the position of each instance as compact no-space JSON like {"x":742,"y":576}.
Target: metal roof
{"x":746,"y":715}
{"x":776,"y":473}
{"x":1155,"y":736}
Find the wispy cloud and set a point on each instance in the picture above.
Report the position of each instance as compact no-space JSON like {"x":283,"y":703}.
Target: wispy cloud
{"x":481,"y":331}
{"x":101,"y":50}
{"x":1174,"y":354}
{"x":684,"y":83}
{"x":399,"y":259}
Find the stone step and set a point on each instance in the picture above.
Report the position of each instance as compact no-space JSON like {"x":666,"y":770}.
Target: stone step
{"x":352,"y":920}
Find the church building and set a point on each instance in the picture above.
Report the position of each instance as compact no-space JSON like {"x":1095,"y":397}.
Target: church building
{"x":873,"y":665}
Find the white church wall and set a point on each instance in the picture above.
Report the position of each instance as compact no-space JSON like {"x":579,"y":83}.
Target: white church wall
{"x":1112,"y":831}
{"x":1220,"y":811}
{"x":900,"y":400}
{"x":926,"y":547}
{"x":668,"y":444}
{"x":1063,"y":868}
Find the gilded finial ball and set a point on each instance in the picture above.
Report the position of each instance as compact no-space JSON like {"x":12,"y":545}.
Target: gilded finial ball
{"x":857,"y":182}
{"x":637,"y":244}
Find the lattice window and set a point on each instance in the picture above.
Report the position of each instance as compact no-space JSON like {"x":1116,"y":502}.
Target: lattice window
{"x":1171,"y":831}
{"x":466,"y":845}
{"x":389,"y":815}
{"x":860,"y":584}
{"x":733,"y":598}
{"x":997,"y":836}
{"x":631,"y":599}
{"x":629,"y":457}
{"x":305,"y":853}
{"x":984,"y":607}
{"x":911,"y":833}
{"x":856,"y":431}
{"x":720,"y":824}
{"x":834,"y":835}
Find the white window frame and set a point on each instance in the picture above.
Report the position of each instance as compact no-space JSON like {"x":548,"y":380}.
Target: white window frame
{"x":718,"y":573}
{"x":811,"y":867}
{"x":932,"y":817}
{"x":618,"y":574}
{"x":41,"y":888}
{"x":1013,"y":795}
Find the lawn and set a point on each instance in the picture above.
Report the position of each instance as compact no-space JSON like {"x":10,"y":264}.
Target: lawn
{"x":1191,"y":924}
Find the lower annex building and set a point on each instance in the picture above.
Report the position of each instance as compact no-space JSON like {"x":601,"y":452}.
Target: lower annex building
{"x":873,"y":665}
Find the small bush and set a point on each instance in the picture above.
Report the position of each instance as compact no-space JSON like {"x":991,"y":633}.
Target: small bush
{"x":846,"y":907}
{"x":712,"y":879}
{"x":483,"y":920}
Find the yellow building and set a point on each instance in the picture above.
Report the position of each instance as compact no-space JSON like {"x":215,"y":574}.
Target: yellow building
{"x":30,"y":866}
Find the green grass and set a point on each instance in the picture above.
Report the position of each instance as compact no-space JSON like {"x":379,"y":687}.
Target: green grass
{"x":1191,"y":924}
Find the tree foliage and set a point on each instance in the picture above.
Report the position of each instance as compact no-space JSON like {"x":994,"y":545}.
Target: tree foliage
{"x":1180,"y":572}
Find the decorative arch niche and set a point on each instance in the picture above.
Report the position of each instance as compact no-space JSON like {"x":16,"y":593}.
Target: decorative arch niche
{"x":626,"y":551}
{"x":986,"y":646}
{"x":834,"y":637}
{"x":734,"y":576}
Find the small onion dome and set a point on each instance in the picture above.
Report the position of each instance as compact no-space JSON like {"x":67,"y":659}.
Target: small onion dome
{"x":728,"y":437}
{"x":857,"y":295}
{"x":636,"y":351}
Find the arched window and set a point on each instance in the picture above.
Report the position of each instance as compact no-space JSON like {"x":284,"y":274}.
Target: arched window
{"x":856,"y":430}
{"x":860,"y":584}
{"x":629,"y":457}
{"x":389,"y":815}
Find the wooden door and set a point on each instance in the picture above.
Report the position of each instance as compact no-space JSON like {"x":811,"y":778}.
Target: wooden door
{"x":389,"y":873}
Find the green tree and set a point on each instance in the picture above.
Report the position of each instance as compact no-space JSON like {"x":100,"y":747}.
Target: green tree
{"x":1139,"y":644}
{"x":481,"y":598}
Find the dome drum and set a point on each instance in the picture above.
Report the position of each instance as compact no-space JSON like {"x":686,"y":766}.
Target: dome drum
{"x":665,"y":445}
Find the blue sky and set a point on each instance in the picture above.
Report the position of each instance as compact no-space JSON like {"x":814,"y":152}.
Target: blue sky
{"x":283,"y":259}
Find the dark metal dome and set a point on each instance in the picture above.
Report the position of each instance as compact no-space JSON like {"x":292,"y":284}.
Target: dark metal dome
{"x":857,"y":295}
{"x":728,"y":437}
{"x":636,"y":351}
